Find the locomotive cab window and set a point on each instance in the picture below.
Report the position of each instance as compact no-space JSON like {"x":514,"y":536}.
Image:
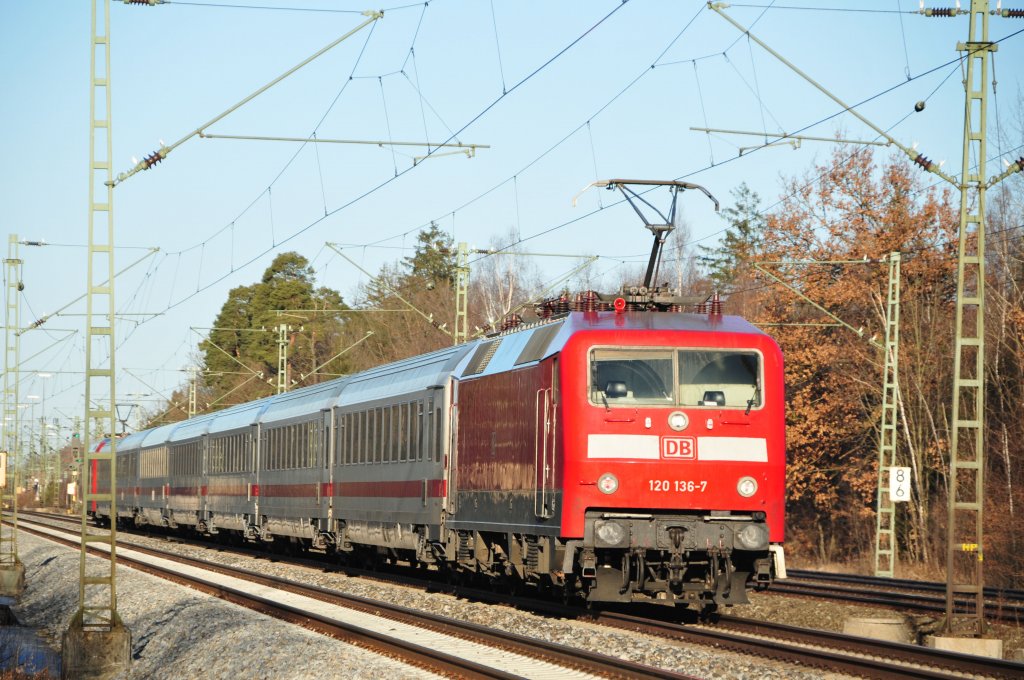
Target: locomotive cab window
{"x":631,"y":376}
{"x":701,"y":378}
{"x":729,"y":378}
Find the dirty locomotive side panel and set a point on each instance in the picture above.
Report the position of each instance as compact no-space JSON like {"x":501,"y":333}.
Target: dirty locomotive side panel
{"x":674,"y":457}
{"x":504,"y":492}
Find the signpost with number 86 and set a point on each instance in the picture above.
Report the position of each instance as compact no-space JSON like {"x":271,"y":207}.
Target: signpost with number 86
{"x":899,"y":484}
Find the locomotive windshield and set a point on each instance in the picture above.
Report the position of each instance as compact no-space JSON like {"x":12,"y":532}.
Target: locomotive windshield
{"x":686,"y":377}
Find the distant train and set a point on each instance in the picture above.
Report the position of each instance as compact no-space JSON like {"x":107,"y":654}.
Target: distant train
{"x":609,"y":454}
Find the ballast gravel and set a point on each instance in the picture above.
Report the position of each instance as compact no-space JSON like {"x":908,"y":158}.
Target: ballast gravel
{"x":181,"y":633}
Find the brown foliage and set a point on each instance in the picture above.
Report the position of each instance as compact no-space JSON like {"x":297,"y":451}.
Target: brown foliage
{"x":858,"y":213}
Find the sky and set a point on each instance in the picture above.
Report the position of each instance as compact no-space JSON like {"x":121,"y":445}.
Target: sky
{"x":561,"y":93}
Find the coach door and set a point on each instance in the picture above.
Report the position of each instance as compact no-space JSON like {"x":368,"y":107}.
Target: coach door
{"x":452,"y":458}
{"x":544,"y":447}
{"x":325,"y":477}
{"x":259,"y":450}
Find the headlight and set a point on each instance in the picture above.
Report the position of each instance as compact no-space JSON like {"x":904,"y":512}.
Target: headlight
{"x":610,"y":533}
{"x":747,"y":487}
{"x":608,"y":483}
{"x":678,"y":421}
{"x":752,"y":537}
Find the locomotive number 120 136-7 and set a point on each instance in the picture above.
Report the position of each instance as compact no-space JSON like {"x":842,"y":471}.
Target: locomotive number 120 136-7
{"x":680,"y":485}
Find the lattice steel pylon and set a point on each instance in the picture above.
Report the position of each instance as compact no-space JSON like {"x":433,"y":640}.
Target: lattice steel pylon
{"x":12,"y":572}
{"x":83,"y":652}
{"x":964,"y":550}
{"x":192,"y":379}
{"x":461,"y":295}
{"x":885,"y":527}
{"x":282,"y":358}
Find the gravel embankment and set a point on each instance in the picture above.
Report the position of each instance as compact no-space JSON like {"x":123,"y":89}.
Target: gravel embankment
{"x":182,"y":633}
{"x":178,"y":632}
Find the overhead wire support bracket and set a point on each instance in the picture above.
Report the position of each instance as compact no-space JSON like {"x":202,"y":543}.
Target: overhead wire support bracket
{"x":780,"y":138}
{"x":1016,"y":166}
{"x":918,"y":158}
{"x":859,"y":331}
{"x":412,"y":307}
{"x":460,"y":147}
{"x":162,"y":153}
{"x":316,"y":369}
{"x":46,"y":317}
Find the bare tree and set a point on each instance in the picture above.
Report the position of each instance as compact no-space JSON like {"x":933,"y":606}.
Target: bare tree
{"x":503,"y":279}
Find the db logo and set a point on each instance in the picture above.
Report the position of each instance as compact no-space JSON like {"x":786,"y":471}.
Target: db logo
{"x":683,"y":448}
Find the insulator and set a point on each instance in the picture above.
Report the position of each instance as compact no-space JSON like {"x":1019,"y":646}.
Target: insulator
{"x":152,"y":159}
{"x":605,"y":306}
{"x":1012,"y":13}
{"x":941,"y":12}
{"x":675,"y":308}
{"x":716,"y":305}
{"x":702,"y":307}
{"x":924,"y":162}
{"x":587,"y":301}
{"x":562,"y":305}
{"x":511,"y":321}
{"x":1020,"y":161}
{"x":143,"y":2}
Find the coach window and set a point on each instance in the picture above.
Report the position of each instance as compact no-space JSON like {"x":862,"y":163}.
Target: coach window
{"x":345,"y":440}
{"x":350,"y":437}
{"x":285,"y":448}
{"x":438,"y":433}
{"x":358,"y":430}
{"x":403,"y":431}
{"x":351,"y":424}
{"x":384,"y":436}
{"x":312,"y":444}
{"x":396,"y":433}
{"x":415,"y":427}
{"x":428,"y":428}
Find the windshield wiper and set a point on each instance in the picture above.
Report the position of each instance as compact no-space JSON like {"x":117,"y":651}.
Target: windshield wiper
{"x":754,"y":399}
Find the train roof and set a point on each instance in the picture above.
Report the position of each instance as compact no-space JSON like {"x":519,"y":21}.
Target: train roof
{"x":662,"y":321}
{"x":304,"y":401}
{"x":402,"y":377}
{"x":131,"y":441}
{"x":241,"y":415}
{"x":193,"y":427}
{"x":530,"y":344}
{"x":158,"y":435}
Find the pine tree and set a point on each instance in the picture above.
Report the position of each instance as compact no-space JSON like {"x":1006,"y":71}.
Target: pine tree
{"x":742,"y":240}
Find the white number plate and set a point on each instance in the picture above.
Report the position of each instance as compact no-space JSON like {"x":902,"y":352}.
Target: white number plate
{"x":678,"y":485}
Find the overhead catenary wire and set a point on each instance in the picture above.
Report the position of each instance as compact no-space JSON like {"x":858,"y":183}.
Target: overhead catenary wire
{"x":514,"y":179}
{"x":356,"y":199}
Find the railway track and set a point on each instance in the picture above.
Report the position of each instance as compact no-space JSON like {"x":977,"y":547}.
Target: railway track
{"x":817,"y":649}
{"x":436,"y":643}
{"x":1001,"y":604}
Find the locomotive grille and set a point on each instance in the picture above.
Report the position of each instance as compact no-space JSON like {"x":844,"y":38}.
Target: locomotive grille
{"x":482,"y":356}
